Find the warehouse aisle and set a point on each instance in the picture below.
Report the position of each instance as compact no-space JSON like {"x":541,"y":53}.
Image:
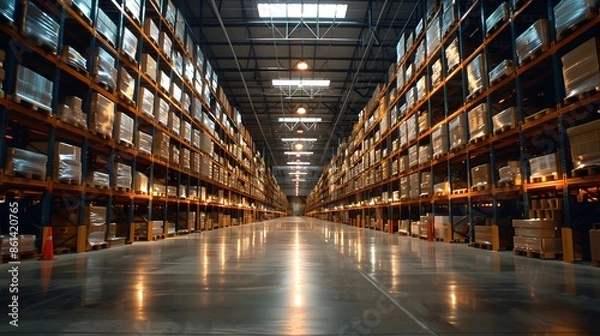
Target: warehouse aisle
{"x":298,"y":276}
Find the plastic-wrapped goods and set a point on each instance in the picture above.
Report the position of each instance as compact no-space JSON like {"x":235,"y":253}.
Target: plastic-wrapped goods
{"x":206,"y":167}
{"x":209,"y":124}
{"x":172,"y":192}
{"x":403,"y":130}
{"x":104,"y":69}
{"x":146,"y":102}
{"x":506,"y":119}
{"x":34,"y":88}
{"x":133,"y":7}
{"x":441,"y":189}
{"x":421,"y":87}
{"x":480,"y":175}
{"x":176,"y":92}
{"x":195,"y":162}
{"x":161,"y":111}
{"x":413,"y":156}
{"x":40,"y":26}
{"x":458,"y":131}
{"x":197,"y":109}
{"x":425,"y":153}
{"x":129,"y":43}
{"x":206,"y":93}
{"x":189,"y":71}
{"x":533,"y":39}
{"x":140,"y":183}
{"x":174,"y":123}
{"x":478,"y":117}
{"x":166,"y":44}
{"x":174,"y":154}
{"x":423,"y":121}
{"x":404,"y":187}
{"x":433,"y":35}
{"x":544,"y":165}
{"x":149,"y":66}
{"x":70,"y":111}
{"x":189,"y":43}
{"x":411,"y":96}
{"x":186,"y":131}
{"x":411,"y":127}
{"x":420,"y":55}
{"x":151,"y":30}
{"x":410,"y":40}
{"x":158,"y":189}
{"x":400,"y":49}
{"x":24,"y":162}
{"x":164,"y":80}
{"x":475,"y":72}
{"x":180,"y":27}
{"x":196,"y":138}
{"x":178,"y":62}
{"x":501,"y":70}
{"x":186,"y":103}
{"x":581,"y":69}
{"x":144,"y":142}
{"x":409,"y":71}
{"x":415,"y":186}
{"x":569,"y":13}
{"x":95,"y":219}
{"x":585,"y":144}
{"x":73,"y":58}
{"x":426,"y":185}
{"x":67,"y":161}
{"x":207,"y":145}
{"x":436,"y":73}
{"x":199,"y":59}
{"x":123,"y":177}
{"x":99,"y":179}
{"x":185,"y":159}
{"x":102,"y":115}
{"x":84,"y":7}
{"x":449,"y":17}
{"x":7,"y":10}
{"x":419,"y":28}
{"x":123,"y":130}
{"x":106,"y":27}
{"x":170,"y":13}
{"x":452,"y":55}
{"x":510,"y":173}
{"x":439,"y":140}
{"x":126,"y":85}
{"x":161,"y":146}
{"x":498,"y":16}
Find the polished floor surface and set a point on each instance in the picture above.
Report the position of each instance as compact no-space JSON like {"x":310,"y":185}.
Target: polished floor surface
{"x":299,"y":276}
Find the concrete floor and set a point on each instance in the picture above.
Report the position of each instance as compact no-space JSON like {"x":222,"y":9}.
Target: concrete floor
{"x":298,"y":276}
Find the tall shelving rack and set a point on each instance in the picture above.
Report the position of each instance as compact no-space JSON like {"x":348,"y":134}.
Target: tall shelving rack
{"x":368,"y":183}
{"x":227,"y":184}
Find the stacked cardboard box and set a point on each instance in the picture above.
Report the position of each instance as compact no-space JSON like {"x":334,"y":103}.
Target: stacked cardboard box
{"x":70,"y":111}
{"x":581,"y":68}
{"x":537,"y":235}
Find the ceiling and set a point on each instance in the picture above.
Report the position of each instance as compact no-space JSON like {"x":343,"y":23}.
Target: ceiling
{"x":248,"y":52}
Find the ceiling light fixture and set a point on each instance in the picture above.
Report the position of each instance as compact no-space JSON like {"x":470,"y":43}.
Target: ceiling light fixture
{"x":306,"y":11}
{"x":301,"y":119}
{"x":299,"y":173}
{"x":299,"y":163}
{"x":301,"y":82}
{"x":302,"y":65}
{"x":299,"y":153}
{"x":301,"y":110}
{"x":299,"y":146}
{"x":299,"y":139}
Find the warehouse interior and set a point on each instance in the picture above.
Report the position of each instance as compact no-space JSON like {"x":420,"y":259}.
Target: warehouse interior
{"x":178,"y":167}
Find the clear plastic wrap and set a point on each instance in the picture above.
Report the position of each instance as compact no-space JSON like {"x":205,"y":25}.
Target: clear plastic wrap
{"x":123,"y":178}
{"x":196,"y":138}
{"x":170,"y":13}
{"x":475,"y":72}
{"x":149,"y":66}
{"x":189,"y":71}
{"x":133,"y":7}
{"x":533,"y":39}
{"x":400,"y":49}
{"x":106,"y":27}
{"x":423,"y":121}
{"x":425,"y":152}
{"x":178,"y":62}
{"x":421,"y":87}
{"x":581,"y":68}
{"x":498,"y":16}
{"x":505,"y":119}
{"x":510,"y":173}
{"x":73,"y":58}
{"x":40,"y":26}
{"x":480,"y":175}
{"x":161,"y":145}
{"x":420,"y":55}
{"x":410,"y":40}
{"x":411,"y":127}
{"x":172,"y":191}
{"x":426,"y":186}
{"x":436,"y":72}
{"x":458,"y":131}
{"x":403,"y":134}
{"x":449,"y":17}
{"x":123,"y":131}
{"x":207,"y":144}
{"x":569,"y":13}
{"x":146,"y":102}
{"x":199,"y":60}
{"x":501,"y":70}
{"x":151,"y":30}
{"x":415,"y":186}
{"x":413,"y":156}
{"x":186,"y":102}
{"x":99,"y":179}
{"x":102,"y":115}
{"x":70,"y":111}
{"x":67,"y":161}
{"x":95,"y":220}
{"x":404,"y":187}
{"x":195,"y":162}
{"x":452,"y":55}
{"x":166,"y":44}
{"x":441,"y":189}
{"x":174,"y":123}
{"x":186,"y":131}
{"x":185,"y":159}
{"x":176,"y":92}
{"x":439,"y":140}
{"x":182,"y":193}
{"x":34,"y":88}
{"x":585,"y":144}
{"x":104,"y":69}
{"x":206,"y":167}
{"x":189,"y":43}
{"x":161,"y":111}
{"x":433,"y":34}
{"x":164,"y":80}
{"x":180,"y":26}
{"x":126,"y":85}
{"x":158,"y":189}
{"x":144,"y":142}
{"x":544,"y":165}
{"x":84,"y":7}
{"x":140,"y":183}
{"x":478,"y":117}
{"x":197,"y":109}
{"x":129,"y":43}
{"x":419,"y":28}
{"x":24,"y":162}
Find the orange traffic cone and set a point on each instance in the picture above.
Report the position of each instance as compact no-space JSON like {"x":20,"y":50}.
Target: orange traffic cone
{"x":46,"y":274}
{"x":47,"y":244}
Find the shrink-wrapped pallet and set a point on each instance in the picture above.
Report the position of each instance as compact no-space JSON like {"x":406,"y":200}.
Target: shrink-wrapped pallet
{"x":425,"y":152}
{"x":170,"y":13}
{"x":420,"y":55}
{"x":481,"y":175}
{"x":569,"y":13}
{"x":475,"y":73}
{"x":166,"y":44}
{"x":411,"y":127}
{"x":161,"y":111}
{"x":176,"y":93}
{"x":186,"y":131}
{"x":532,"y":40}
{"x":452,"y":55}
{"x":40,"y":26}
{"x":439,"y":140}
{"x":144,"y":143}
{"x":84,"y":7}
{"x":126,"y":85}
{"x":151,"y":30}
{"x":104,"y":69}
{"x":413,"y":156}
{"x":188,"y":70}
{"x":123,"y":129}
{"x":174,"y":154}
{"x":421,"y":88}
{"x":177,"y":62}
{"x":164,"y":80}
{"x":72,"y":57}
{"x":174,"y":123}
{"x":7,"y":10}
{"x":449,"y":17}
{"x":458,"y":131}
{"x":99,"y":179}
{"x":161,"y":146}
{"x":70,"y":111}
{"x":404,"y":187}
{"x":140,"y":183}
{"x":106,"y":27}
{"x":544,"y":165}
{"x":510,"y":173}
{"x":415,"y":186}
{"x":506,"y":119}
{"x":436,"y":73}
{"x":501,"y":70}
{"x":585,"y":144}
{"x":426,"y":184}
{"x":129,"y":43}
{"x":195,"y":162}
{"x":146,"y":101}
{"x":403,"y":163}
{"x":185,"y":159}
{"x":498,"y":16}
{"x":196,"y":138}
{"x":95,"y":220}
{"x":581,"y":69}
{"x":34,"y":88}
{"x":122,"y":176}
{"x":67,"y":161}
{"x":433,"y":34}
{"x":102,"y":115}
{"x":24,"y":162}
{"x":149,"y":66}
{"x":133,"y":7}
{"x":478,"y":117}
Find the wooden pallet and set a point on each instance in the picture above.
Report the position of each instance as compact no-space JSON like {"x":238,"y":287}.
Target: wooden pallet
{"x":64,"y":250}
{"x":507,"y":184}
{"x":77,"y":68}
{"x":75,"y":182}
{"x":134,"y":17}
{"x":126,"y":100}
{"x":480,"y":188}
{"x":480,"y":245}
{"x":576,"y":26}
{"x":503,"y":129}
{"x":588,"y":171}
{"x":533,"y":55}
{"x":29,"y":176}
{"x":538,"y":115}
{"x":581,"y":96}
{"x":479,"y":139}
{"x":536,"y":254}
{"x":91,"y":185}
{"x":543,"y":178}
{"x":457,"y":148}
{"x":102,"y":135}
{"x":42,"y":44}
{"x":139,"y":192}
{"x":116,"y":241}
{"x":32,"y":105}
{"x":125,"y":143}
{"x":80,"y":13}
{"x":97,"y":247}
{"x":475,"y":94}
{"x":460,"y":191}
{"x":70,"y":122}
{"x":104,"y":85}
{"x":122,"y":189}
